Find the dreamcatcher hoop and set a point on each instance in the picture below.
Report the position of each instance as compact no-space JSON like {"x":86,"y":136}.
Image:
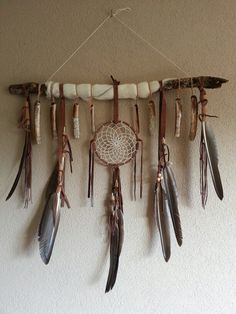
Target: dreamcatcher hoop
{"x":115,"y":143}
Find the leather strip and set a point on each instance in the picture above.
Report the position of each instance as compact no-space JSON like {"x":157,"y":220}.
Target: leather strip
{"x":116,"y":102}
{"x":162,"y":121}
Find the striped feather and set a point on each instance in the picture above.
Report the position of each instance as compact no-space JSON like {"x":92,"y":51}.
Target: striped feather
{"x":161,"y":211}
{"x":172,"y":199}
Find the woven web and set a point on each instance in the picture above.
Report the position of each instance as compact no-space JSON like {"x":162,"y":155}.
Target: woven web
{"x":115,"y":143}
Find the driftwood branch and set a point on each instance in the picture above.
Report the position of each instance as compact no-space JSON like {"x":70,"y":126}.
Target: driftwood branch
{"x":168,"y":84}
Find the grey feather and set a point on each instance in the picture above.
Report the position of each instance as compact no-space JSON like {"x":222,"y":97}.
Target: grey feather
{"x":161,"y":211}
{"x":212,"y":156}
{"x":49,"y":226}
{"x":172,"y":199}
{"x":50,"y":219}
{"x":116,"y":241}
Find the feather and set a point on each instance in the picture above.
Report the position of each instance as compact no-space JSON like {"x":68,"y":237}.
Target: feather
{"x":161,"y":207}
{"x":172,"y":199}
{"x":212,"y":157}
{"x":121,"y":229}
{"x":116,"y":241}
{"x":203,"y":171}
{"x":18,"y":173}
{"x":47,"y":228}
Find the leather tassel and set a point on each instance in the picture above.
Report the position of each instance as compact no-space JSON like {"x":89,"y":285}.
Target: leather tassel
{"x":76,"y":124}
{"x":92,"y":121}
{"x":178,"y":116}
{"x":137,"y":125}
{"x":37,"y":118}
{"x":116,"y":224}
{"x":161,"y":212}
{"x":53,"y":118}
{"x":91,"y":173}
{"x":141,"y":170}
{"x":134,"y":176}
{"x":194,"y":118}
{"x":26,"y":158}
{"x":172,"y":200}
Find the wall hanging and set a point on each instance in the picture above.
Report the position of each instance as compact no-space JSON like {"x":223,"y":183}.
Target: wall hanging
{"x":114,"y":144}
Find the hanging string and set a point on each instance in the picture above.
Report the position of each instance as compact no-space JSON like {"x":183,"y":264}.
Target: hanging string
{"x":151,"y":46}
{"x":111,"y":15}
{"x":78,"y":48}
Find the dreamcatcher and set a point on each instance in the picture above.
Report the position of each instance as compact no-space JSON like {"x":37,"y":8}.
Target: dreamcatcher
{"x":115,"y":143}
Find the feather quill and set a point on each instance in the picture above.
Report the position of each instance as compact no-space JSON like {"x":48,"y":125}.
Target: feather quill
{"x":161,"y":212}
{"x":172,"y":200}
{"x":212,"y":157}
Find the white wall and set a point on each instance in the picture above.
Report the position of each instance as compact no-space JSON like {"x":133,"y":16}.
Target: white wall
{"x":36,"y":37}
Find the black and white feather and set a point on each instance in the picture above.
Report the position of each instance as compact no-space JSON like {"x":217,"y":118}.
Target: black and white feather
{"x":172,"y":200}
{"x":212,"y":157}
{"x":161,"y":212}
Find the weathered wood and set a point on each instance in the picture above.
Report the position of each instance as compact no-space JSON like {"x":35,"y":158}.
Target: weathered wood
{"x":31,"y":88}
{"x":207,"y":81}
{"x":168,"y":84}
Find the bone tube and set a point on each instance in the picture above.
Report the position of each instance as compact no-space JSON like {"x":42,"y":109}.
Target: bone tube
{"x":76,"y":124}
{"x":178,"y":116}
{"x":37,"y":132}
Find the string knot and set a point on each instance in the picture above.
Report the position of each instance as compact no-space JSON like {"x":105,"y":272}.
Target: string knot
{"x":202,"y":115}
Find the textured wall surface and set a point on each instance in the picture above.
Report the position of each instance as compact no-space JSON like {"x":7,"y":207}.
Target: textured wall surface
{"x":36,"y":37}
